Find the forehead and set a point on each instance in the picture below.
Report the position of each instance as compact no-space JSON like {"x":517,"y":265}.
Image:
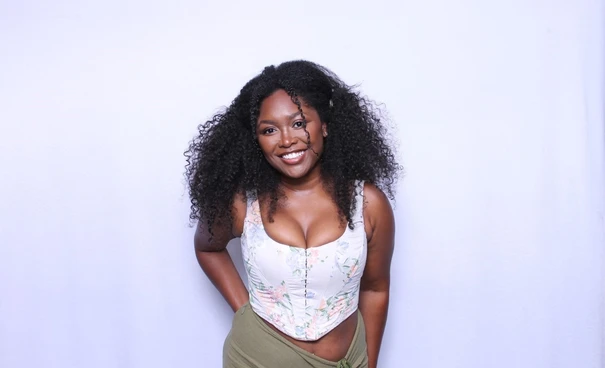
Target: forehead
{"x":280,"y":105}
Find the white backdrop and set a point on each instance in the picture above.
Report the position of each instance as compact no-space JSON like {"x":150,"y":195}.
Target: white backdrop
{"x":498,"y":108}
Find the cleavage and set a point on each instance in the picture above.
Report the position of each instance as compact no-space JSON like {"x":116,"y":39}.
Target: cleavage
{"x":304,"y":226}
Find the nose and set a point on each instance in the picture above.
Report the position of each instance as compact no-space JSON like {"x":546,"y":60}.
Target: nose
{"x":287,"y":139}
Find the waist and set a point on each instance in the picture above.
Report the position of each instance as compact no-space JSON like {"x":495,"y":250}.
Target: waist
{"x":301,"y":320}
{"x":331,"y":346}
{"x":252,"y":338}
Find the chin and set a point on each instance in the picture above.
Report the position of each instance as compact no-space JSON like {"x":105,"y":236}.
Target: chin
{"x":294,"y":175}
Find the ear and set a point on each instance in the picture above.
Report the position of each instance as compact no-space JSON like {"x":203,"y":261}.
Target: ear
{"x":324,"y":129}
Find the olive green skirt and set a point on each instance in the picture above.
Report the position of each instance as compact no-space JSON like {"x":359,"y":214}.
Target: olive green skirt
{"x":253,"y":344}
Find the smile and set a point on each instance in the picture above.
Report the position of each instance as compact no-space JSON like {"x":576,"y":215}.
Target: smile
{"x":293,"y":157}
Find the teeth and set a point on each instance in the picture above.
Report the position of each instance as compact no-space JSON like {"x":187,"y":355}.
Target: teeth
{"x":292,"y":155}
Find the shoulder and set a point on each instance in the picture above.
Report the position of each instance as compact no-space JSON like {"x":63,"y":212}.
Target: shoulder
{"x":377,"y":211}
{"x":373,"y":194}
{"x":375,"y":200}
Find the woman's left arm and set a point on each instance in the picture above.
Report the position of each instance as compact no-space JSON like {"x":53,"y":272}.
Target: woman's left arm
{"x":374,"y":294}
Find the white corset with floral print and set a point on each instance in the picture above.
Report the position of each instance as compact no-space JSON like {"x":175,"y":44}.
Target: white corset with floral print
{"x":305,"y":293}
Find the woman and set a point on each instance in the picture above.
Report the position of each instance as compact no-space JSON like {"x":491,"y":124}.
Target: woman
{"x":296,"y":166}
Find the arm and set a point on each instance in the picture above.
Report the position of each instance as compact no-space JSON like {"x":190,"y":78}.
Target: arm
{"x":213,"y":257}
{"x":374,"y":295}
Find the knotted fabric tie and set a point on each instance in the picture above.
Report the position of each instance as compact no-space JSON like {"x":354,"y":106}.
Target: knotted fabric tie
{"x":343,"y":363}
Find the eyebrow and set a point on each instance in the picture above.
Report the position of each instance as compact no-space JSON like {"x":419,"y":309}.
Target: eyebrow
{"x":289,"y":117}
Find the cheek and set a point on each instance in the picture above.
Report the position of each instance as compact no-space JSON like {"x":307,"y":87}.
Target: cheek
{"x":317,"y":137}
{"x":266,"y":144}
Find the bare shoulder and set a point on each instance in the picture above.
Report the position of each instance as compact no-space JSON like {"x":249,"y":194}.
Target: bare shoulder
{"x":376,"y":202}
{"x":377,"y":211}
{"x":374,"y":195}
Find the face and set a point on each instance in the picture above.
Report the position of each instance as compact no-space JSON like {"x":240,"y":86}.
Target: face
{"x":281,"y":135}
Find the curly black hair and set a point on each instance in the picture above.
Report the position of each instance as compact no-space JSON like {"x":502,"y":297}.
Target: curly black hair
{"x":225,"y":158}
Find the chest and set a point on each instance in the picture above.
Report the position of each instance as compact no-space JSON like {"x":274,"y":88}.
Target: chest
{"x":336,"y":263}
{"x":307,"y":223}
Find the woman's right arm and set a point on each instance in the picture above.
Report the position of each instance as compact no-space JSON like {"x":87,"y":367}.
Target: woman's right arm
{"x":213,"y":257}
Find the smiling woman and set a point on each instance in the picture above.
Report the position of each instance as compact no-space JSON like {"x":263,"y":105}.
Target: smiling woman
{"x":287,"y":135}
{"x":298,"y":167}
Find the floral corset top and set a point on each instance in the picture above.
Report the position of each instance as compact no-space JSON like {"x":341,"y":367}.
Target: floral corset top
{"x":305,"y":293}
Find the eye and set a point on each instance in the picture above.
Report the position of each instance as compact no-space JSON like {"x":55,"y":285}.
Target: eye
{"x":298,"y":124}
{"x":268,"y":131}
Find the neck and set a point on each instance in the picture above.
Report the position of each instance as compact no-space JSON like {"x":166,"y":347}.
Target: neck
{"x":307,"y":183}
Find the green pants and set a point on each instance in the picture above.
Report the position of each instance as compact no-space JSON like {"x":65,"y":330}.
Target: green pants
{"x":253,"y":344}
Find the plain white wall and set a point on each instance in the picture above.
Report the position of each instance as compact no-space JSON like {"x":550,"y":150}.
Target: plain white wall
{"x":498,"y":110}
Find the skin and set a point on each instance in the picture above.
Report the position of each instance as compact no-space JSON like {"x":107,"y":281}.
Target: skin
{"x":308,"y":218}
